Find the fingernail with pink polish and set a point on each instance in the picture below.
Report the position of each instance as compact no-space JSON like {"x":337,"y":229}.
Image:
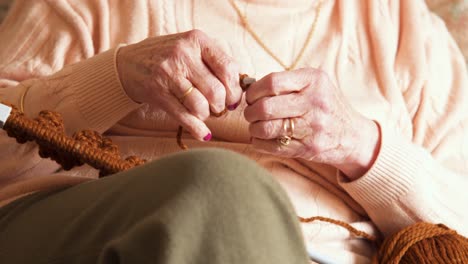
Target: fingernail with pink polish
{"x":207,"y":137}
{"x":232,"y":107}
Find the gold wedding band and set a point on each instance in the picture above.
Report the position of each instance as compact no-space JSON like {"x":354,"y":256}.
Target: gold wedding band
{"x":288,"y":128}
{"x":291,"y":128}
{"x":285,"y":127}
{"x":187,"y":92}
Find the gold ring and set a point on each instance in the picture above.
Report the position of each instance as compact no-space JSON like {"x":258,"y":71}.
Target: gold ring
{"x":187,"y":92}
{"x":288,"y":128}
{"x":291,"y":128}
{"x":285,"y":127}
{"x":284,"y":140}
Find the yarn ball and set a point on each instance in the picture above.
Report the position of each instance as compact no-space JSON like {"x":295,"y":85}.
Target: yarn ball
{"x":424,"y":243}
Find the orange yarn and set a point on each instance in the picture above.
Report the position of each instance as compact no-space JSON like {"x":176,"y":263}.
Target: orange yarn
{"x":419,"y":243}
{"x":424,"y":243}
{"x":345,"y":225}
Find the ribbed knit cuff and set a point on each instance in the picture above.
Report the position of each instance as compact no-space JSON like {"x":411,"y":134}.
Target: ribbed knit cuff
{"x":394,"y":173}
{"x":100,"y":96}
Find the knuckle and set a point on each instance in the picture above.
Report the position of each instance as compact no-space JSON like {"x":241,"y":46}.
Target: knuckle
{"x":179,"y":49}
{"x":268,"y":129}
{"x":223,"y":61}
{"x":218,"y":90}
{"x":272,"y":80}
{"x":202,"y":108}
{"x":229,"y":68}
{"x":165,"y":68}
{"x":322,"y":76}
{"x":321,"y":102}
{"x":210,"y":93}
{"x":195,"y":34}
{"x":228,"y":65}
{"x":232,"y":66}
{"x":215,"y":91}
{"x":250,"y":114}
{"x":265,"y":110}
{"x":321,"y":122}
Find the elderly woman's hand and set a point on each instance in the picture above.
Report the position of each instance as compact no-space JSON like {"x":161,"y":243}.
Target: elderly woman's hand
{"x":326,"y":128}
{"x":162,"y":71}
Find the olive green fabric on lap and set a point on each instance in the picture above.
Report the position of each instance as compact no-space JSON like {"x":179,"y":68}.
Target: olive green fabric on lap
{"x":202,"y":206}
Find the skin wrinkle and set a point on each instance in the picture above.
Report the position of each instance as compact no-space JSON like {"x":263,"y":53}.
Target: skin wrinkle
{"x":323,"y":152}
{"x":178,"y":57}
{"x":367,"y":95}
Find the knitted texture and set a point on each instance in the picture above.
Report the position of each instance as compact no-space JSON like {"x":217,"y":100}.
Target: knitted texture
{"x":86,"y":146}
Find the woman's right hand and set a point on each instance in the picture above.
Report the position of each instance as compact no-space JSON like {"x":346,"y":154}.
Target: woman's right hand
{"x":160,"y":70}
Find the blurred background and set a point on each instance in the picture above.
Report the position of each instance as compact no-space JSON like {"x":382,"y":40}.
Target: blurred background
{"x":453,"y":12}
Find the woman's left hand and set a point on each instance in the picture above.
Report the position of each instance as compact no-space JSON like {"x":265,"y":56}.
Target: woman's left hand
{"x":326,"y":128}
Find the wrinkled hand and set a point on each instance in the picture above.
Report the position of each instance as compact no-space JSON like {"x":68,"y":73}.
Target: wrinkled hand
{"x":326,"y":128}
{"x":160,"y":70}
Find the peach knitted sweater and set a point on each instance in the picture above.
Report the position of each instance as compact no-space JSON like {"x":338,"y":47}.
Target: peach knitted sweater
{"x":394,"y":61}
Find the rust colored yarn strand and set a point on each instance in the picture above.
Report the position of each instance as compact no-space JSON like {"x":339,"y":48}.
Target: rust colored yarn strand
{"x":345,"y":225}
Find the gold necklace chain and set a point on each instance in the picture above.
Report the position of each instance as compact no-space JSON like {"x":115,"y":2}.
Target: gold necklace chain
{"x":254,"y":35}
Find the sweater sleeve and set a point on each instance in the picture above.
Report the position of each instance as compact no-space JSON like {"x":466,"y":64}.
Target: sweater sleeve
{"x":424,"y":177}
{"x":49,"y":51}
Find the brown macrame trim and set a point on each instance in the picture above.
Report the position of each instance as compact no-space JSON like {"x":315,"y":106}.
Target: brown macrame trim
{"x":86,"y":146}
